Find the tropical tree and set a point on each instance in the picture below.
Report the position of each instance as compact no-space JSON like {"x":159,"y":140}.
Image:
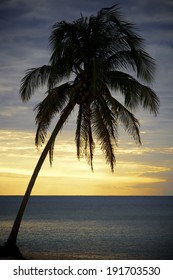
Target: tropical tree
{"x":93,"y":59}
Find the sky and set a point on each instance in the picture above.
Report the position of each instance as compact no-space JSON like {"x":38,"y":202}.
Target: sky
{"x":25,"y":28}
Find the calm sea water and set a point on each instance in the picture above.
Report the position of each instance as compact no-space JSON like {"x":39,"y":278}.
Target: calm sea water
{"x":92,"y":227}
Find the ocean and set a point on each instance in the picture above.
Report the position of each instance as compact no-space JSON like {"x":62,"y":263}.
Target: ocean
{"x":92,"y":227}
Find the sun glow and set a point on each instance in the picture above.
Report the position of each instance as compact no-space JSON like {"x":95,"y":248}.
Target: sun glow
{"x":68,"y":176}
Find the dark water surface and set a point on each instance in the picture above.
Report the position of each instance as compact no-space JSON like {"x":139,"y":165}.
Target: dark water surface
{"x":91,"y":227}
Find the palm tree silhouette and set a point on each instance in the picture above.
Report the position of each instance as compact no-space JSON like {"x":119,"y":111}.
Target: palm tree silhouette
{"x":86,"y":70}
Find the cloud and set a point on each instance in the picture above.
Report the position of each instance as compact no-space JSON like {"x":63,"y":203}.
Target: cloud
{"x":18,"y":157}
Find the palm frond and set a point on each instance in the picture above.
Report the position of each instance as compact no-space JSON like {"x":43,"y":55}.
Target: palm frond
{"x":89,"y":142}
{"x":135,"y":93}
{"x":124,"y":116}
{"x":84,"y":139}
{"x":109,"y":118}
{"x":65,"y":113}
{"x":124,"y":38}
{"x":128,"y":121}
{"x":48,"y":108}
{"x":51,"y":150}
{"x":34,"y":78}
{"x":103,"y":135}
{"x":144,"y":64}
{"x":68,"y":49}
{"x":106,"y":15}
{"x":78,"y":138}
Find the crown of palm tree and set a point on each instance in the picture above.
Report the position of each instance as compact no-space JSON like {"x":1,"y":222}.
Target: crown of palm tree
{"x":91,"y":55}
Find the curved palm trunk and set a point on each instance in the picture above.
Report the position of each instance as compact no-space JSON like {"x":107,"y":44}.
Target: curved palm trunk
{"x":11,"y":241}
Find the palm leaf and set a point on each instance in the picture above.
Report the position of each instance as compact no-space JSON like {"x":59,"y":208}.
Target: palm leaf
{"x":51,"y":150}
{"x":84,"y":139}
{"x":124,"y":116}
{"x":135,"y":93}
{"x":68,"y":50}
{"x":103,"y":135}
{"x":78,"y":138}
{"x":125,"y":40}
{"x":34,"y":78}
{"x":48,"y":108}
{"x":109,"y":118}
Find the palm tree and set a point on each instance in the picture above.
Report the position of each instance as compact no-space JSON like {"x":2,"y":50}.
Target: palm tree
{"x":86,"y":70}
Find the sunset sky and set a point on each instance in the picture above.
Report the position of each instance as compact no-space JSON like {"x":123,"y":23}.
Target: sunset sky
{"x":145,"y":170}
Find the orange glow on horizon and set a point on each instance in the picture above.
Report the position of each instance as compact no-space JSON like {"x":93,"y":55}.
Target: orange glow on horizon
{"x":68,"y":176}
